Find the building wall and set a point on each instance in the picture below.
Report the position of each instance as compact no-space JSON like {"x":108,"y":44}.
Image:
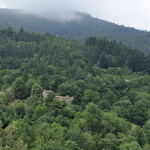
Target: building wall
{"x":44,"y":94}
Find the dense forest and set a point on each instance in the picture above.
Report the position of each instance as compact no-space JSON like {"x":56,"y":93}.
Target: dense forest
{"x":79,"y":29}
{"x":109,"y":82}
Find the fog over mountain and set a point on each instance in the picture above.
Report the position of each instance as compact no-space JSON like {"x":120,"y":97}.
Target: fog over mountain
{"x":133,"y":13}
{"x":64,"y":16}
{"x":52,"y":10}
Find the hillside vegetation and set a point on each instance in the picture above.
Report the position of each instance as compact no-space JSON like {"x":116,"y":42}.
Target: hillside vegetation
{"x":110,"y":84}
{"x":76,"y":29}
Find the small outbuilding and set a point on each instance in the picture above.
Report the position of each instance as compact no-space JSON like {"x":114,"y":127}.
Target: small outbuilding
{"x":46,"y":92}
{"x":67,"y":99}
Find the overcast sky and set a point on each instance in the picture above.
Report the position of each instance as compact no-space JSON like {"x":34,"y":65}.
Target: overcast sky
{"x":130,"y":13}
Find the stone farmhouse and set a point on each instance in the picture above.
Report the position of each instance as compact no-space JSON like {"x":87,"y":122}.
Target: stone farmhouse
{"x":67,"y":99}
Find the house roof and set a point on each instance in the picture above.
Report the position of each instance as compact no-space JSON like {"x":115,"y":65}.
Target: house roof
{"x":65,"y":97}
{"x":48,"y":91}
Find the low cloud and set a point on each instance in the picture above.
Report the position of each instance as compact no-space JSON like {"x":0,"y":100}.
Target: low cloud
{"x":60,"y":10}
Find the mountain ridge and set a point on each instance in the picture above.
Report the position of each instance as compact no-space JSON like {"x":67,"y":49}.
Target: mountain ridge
{"x":79,"y":30}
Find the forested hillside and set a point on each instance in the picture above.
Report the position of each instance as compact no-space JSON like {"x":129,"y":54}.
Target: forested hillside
{"x":79,"y":29}
{"x":109,"y":82}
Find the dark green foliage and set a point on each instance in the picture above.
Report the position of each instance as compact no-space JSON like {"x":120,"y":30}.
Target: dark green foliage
{"x":29,"y":85}
{"x":104,"y":105}
{"x":138,"y":113}
{"x":19,"y":89}
{"x":19,"y":109}
{"x":146,"y":129}
{"x":50,"y":98}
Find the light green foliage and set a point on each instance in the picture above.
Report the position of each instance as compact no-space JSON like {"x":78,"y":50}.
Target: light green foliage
{"x":85,"y":140}
{"x":8,"y":97}
{"x":24,"y":130}
{"x":88,"y":95}
{"x":109,"y":142}
{"x":36,"y":90}
{"x":92,"y":118}
{"x":146,"y":147}
{"x":10,"y":140}
{"x":143,"y":97}
{"x":72,"y":145}
{"x":146,"y":129}
{"x":56,"y":107}
{"x":39,"y":111}
{"x":139,"y":135}
{"x":1,"y":134}
{"x":49,"y":136}
{"x":126,"y":138}
{"x":91,"y":96}
{"x":131,"y":146}
{"x":113,"y":124}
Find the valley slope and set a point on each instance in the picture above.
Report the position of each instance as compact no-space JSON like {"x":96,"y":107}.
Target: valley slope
{"x":109,"y":83}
